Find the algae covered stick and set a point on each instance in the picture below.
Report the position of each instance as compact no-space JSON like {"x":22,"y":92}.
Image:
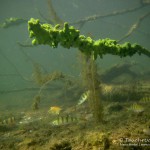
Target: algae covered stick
{"x":68,"y":36}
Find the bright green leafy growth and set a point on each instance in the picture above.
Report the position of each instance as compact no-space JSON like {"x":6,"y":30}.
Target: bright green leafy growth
{"x":68,"y":37}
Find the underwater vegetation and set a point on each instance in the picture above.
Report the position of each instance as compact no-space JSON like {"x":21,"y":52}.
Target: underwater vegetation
{"x":146,"y":131}
{"x":9,"y":121}
{"x":41,"y":78}
{"x":90,"y":83}
{"x":63,"y":145}
{"x":36,"y":102}
{"x":97,"y":98}
{"x":68,"y":37}
{"x":12,"y":22}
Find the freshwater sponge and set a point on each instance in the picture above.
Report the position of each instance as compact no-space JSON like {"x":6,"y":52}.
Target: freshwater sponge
{"x":68,"y":37}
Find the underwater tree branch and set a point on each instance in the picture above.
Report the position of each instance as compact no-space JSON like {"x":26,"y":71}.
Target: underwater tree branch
{"x":14,"y":66}
{"x":115,"y":13}
{"x":69,"y":37}
{"x":55,"y":18}
{"x":134,"y":26}
{"x":12,"y":22}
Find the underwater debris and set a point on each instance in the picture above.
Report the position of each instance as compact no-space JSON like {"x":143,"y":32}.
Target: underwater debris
{"x":136,"y":108}
{"x":44,"y":78}
{"x":64,"y":120}
{"x":107,"y":89}
{"x":83,"y":97}
{"x":35,"y":105}
{"x":54,"y":110}
{"x":145,"y":100}
{"x":54,"y":18}
{"x":26,"y":120}
{"x":12,"y":22}
{"x":8,"y":122}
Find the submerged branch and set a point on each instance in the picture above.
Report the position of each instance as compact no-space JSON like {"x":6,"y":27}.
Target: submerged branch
{"x":54,"y":17}
{"x":99,"y":16}
{"x":11,"y":63}
{"x":12,"y":22}
{"x":134,"y":26}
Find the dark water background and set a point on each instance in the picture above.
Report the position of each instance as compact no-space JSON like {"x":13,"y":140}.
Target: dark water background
{"x":61,"y":59}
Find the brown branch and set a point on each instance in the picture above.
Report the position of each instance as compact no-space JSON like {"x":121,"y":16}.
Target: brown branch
{"x":48,"y":20}
{"x":55,"y":18}
{"x":134,"y":27}
{"x":28,"y":56}
{"x":10,"y":62}
{"x":115,"y":13}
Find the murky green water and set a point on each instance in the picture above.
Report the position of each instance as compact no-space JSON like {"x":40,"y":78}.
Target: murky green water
{"x":56,"y":76}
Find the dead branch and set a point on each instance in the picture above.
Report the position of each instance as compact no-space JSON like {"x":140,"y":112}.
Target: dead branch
{"x":12,"y":64}
{"x":99,"y":16}
{"x":135,"y":26}
{"x":55,"y":18}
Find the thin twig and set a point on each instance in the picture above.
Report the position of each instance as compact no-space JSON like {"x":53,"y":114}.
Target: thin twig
{"x":30,"y":58}
{"x":134,"y":27}
{"x":10,"y":62}
{"x":115,"y":13}
{"x":55,"y":18}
